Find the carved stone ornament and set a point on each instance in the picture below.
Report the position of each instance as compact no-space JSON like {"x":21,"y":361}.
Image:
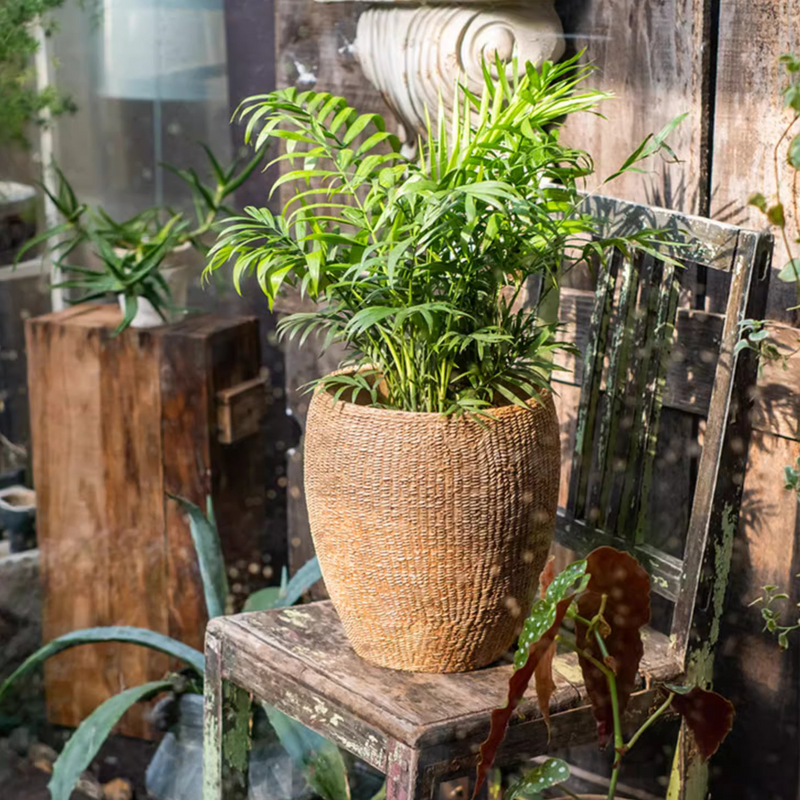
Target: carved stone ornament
{"x":414,"y":53}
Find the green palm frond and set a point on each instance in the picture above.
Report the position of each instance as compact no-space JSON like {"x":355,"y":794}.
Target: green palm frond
{"x":418,"y":263}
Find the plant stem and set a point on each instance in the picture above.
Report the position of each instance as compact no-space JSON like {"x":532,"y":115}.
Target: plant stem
{"x":649,"y":721}
{"x":619,"y":742}
{"x":777,"y":173}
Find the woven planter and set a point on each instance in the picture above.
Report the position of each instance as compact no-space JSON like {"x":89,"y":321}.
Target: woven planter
{"x":431,"y":532}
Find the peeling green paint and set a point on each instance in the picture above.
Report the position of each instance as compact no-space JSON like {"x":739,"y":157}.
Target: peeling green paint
{"x":689,"y":777}
{"x":236,"y":736}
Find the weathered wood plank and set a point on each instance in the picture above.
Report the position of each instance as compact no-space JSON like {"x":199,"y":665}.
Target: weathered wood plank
{"x":692,"y":364}
{"x":665,"y":570}
{"x":777,"y":400}
{"x":300,"y":660}
{"x":130,"y":399}
{"x":655,"y":58}
{"x":594,"y":356}
{"x":64,"y":375}
{"x":115,"y":419}
{"x":749,"y":120}
{"x":760,"y":680}
{"x":226,"y":737}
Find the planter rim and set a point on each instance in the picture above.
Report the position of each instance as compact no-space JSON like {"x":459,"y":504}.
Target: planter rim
{"x":354,"y":409}
{"x":13,"y":193}
{"x":23,"y":490}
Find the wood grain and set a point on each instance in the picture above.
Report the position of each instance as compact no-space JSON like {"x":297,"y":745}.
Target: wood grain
{"x":130,"y":400}
{"x":306,"y":647}
{"x":749,"y":120}
{"x":654,"y":57}
{"x":760,"y":680}
{"x":117,"y":422}
{"x":64,"y":374}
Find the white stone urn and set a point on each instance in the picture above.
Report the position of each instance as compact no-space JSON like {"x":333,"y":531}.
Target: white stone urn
{"x":414,"y":53}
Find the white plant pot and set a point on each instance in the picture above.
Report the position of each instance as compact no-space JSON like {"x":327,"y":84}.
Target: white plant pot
{"x":177,"y":278}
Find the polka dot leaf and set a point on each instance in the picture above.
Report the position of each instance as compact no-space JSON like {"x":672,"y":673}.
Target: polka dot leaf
{"x":546,"y":775}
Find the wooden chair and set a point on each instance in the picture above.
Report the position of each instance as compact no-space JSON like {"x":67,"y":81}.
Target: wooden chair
{"x":641,"y":354}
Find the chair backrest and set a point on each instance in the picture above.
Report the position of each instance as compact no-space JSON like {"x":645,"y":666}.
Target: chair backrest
{"x":645,"y":349}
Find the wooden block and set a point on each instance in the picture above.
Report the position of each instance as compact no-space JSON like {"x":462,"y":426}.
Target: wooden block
{"x":116,"y":423}
{"x":240,"y":410}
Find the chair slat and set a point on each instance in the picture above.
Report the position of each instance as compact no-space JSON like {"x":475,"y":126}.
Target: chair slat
{"x":664,"y":339}
{"x":615,"y":387}
{"x":643,"y":357}
{"x":590,"y":391}
{"x":665,"y":570}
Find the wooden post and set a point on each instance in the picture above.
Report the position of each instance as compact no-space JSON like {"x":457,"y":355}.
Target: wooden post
{"x":117,"y":422}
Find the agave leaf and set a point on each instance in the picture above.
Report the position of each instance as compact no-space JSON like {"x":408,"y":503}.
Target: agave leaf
{"x":263,"y":599}
{"x":300,"y":583}
{"x":205,"y":538}
{"x":84,"y":744}
{"x":320,"y":759}
{"x":115,"y":633}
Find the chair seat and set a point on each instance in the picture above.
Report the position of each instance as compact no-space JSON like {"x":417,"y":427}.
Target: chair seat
{"x":300,"y":660}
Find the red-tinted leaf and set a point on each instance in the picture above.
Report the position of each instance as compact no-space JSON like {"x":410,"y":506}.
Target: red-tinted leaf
{"x":543,"y":674}
{"x":708,"y":715}
{"x":626,"y":585}
{"x":517,"y":685}
{"x":546,"y":578}
{"x":545,"y":685}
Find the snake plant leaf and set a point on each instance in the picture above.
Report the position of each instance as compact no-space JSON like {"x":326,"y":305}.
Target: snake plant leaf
{"x":708,"y":715}
{"x":626,"y":586}
{"x":320,"y":759}
{"x":83,"y":745}
{"x":113,"y":633}
{"x":544,"y":776}
{"x":209,"y":555}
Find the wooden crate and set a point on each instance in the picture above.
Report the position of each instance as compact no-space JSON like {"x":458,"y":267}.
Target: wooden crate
{"x":117,"y":423}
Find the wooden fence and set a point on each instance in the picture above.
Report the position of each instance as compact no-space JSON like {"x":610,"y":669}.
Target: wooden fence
{"x":718,"y":61}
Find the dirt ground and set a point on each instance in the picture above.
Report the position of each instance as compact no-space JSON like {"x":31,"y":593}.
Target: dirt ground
{"x":120,"y":757}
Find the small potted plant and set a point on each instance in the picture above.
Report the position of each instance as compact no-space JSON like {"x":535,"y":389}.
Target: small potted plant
{"x":143,"y":260}
{"x":432,"y":457}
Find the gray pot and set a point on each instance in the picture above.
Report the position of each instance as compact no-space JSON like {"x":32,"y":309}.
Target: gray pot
{"x":18,"y":517}
{"x":17,"y":217}
{"x":176,"y":771}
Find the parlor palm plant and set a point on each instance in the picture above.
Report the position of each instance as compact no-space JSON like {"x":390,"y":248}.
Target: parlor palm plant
{"x":418,"y":264}
{"x":432,"y":458}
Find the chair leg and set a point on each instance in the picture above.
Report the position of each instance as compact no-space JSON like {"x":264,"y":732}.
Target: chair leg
{"x":226,"y":738}
{"x":405,"y":778}
{"x":689,"y":779}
